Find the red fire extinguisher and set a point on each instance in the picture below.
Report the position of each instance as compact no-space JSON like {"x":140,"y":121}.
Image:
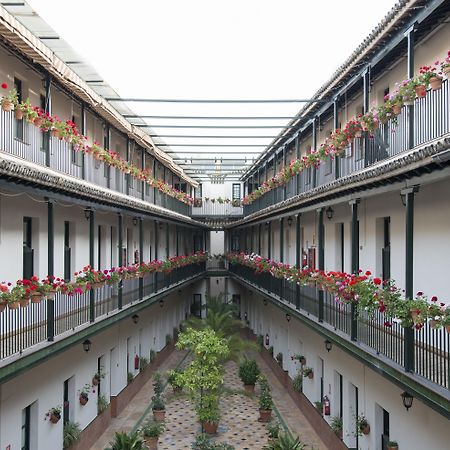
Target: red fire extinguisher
{"x":136,"y":362}
{"x":267,"y":339}
{"x":326,"y":406}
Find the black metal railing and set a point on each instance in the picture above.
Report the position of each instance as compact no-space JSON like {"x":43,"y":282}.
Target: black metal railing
{"x":431,"y":120}
{"x":431,"y":346}
{"x":202,"y":208}
{"x":22,"y":328}
{"x":37,"y":147}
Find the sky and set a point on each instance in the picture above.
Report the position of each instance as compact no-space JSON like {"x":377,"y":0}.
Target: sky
{"x":215,"y":49}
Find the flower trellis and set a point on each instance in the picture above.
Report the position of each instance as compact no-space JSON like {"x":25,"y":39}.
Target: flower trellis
{"x":34,"y":290}
{"x":369,"y":294}
{"x":340,"y":139}
{"x":67,"y":131}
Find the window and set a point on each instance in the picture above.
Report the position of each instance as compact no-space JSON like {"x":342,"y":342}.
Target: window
{"x":26,"y":428}
{"x":18,"y":124}
{"x":28,"y":262}
{"x":198,"y":192}
{"x":67,"y":252}
{"x":181,"y":187}
{"x":236,"y":191}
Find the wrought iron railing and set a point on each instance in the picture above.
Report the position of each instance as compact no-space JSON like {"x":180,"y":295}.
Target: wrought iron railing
{"x":59,"y":155}
{"x":431,"y":346}
{"x":431,"y":120}
{"x":22,"y":328}
{"x":202,"y":208}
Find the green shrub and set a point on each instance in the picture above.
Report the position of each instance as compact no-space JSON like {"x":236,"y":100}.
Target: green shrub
{"x":248,"y":371}
{"x":297,"y":382}
{"x":125,"y":441}
{"x":71,"y":433}
{"x":152,"y":429}
{"x":286,"y":442}
{"x":102,"y":404}
{"x":143,"y":363}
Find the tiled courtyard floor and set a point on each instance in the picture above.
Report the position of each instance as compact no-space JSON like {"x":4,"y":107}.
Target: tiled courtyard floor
{"x":239,"y":413}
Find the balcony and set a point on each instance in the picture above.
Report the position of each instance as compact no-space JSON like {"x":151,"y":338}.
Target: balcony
{"x":59,"y":155}
{"x":208,"y":209}
{"x":431,"y":120}
{"x":431,"y":347}
{"x":22,"y":329}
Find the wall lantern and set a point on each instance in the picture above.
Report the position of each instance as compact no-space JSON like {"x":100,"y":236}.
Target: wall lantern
{"x":289,"y":221}
{"x":135,"y":318}
{"x":407,"y":400}
{"x":403,"y":198}
{"x":87,"y":214}
{"x":161,"y":303}
{"x":328,"y":345}
{"x":87,"y":345}
{"x":329,"y":212}
{"x":246,"y":316}
{"x":267,"y":341}
{"x":135,"y":221}
{"x":265,"y":301}
{"x":288,"y":317}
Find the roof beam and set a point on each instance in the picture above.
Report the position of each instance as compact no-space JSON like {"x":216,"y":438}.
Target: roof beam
{"x":176,"y":100}
{"x":136,"y":116}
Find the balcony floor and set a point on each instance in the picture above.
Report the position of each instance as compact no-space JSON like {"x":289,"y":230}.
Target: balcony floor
{"x":238,"y":424}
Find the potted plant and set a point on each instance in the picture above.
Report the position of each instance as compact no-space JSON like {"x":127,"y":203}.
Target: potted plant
{"x":143,"y":363}
{"x":84,"y":394}
{"x":392,"y":445}
{"x":336,"y":425}
{"x":71,"y":433}
{"x":362,"y":425}
{"x":265,"y":401}
{"x":273,"y":429}
{"x":102,"y":404}
{"x":319,"y":407}
{"x":297,"y":382}
{"x":10,"y":100}
{"x":445,"y":65}
{"x":54,"y":414}
{"x":98,"y":376}
{"x":151,"y":432}
{"x":130,"y":377}
{"x":125,"y":441}
{"x":300,"y":358}
{"x":208,"y":412}
{"x":308,"y":372}
{"x":286,"y":442}
{"x":279,"y":359}
{"x":158,"y":404}
{"x":248,"y":373}
{"x":174,"y":378}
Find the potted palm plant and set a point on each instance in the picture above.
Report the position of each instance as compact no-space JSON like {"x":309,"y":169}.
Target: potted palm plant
{"x":151,"y":432}
{"x":286,"y":442}
{"x":265,"y":401}
{"x":248,"y":373}
{"x":158,"y":403}
{"x":336,"y":426}
{"x":71,"y":434}
{"x":273,"y":428}
{"x":125,"y":441}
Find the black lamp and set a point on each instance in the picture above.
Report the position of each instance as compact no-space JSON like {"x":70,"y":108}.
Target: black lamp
{"x":87,"y":345}
{"x":161,"y":303}
{"x":87,"y":214}
{"x":135,"y":220}
{"x":329,"y":212}
{"x":403,"y":197}
{"x":288,"y":317}
{"x":135,"y":318}
{"x":407,"y":400}
{"x":265,"y":301}
{"x":289,"y":221}
{"x":328,"y":345}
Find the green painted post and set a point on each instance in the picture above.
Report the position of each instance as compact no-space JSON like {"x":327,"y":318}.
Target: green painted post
{"x":141,"y":259}
{"x":120,"y":259}
{"x":321,"y":258}
{"x":156,"y":252}
{"x":336,"y":126}
{"x":355,"y":264}
{"x":91,"y":263}
{"x":50,"y":268}
{"x":298,"y":257}
{"x":282,"y":254}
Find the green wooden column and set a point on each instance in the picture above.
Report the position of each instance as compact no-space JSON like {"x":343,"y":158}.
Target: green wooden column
{"x":120,"y":257}
{"x":156,"y":252}
{"x":50,"y":268}
{"x":409,"y":273}
{"x":314,"y":146}
{"x":269,"y":239}
{"x":355,"y":263}
{"x":298,"y":256}
{"x":141,"y":258}
{"x":259,"y":238}
{"x":48,"y":109}
{"x":83,"y":132}
{"x":410,"y":73}
{"x":282,"y":254}
{"x":91,"y":262}
{"x":336,"y":126}
{"x":321,"y":257}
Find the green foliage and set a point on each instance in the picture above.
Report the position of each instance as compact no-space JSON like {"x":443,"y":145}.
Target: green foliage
{"x":130,"y":377}
{"x":125,"y":441}
{"x":143,"y":363}
{"x":174,"y":378}
{"x":152,"y":429}
{"x":248,"y":371}
{"x":286,"y":442}
{"x":297,"y":382}
{"x":208,"y":407}
{"x":270,"y":350}
{"x":319,"y":406}
{"x":273,"y":428}
{"x":265,"y":398}
{"x":71,"y":433}
{"x":158,"y":403}
{"x":203,"y":442}
{"x":102,"y":404}
{"x":279,"y":359}
{"x":152,"y":355}
{"x":336,"y":424}
{"x":392,"y":444}
{"x":306,"y":371}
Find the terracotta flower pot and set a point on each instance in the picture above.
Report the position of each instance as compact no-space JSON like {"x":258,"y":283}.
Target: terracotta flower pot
{"x":18,"y":114}
{"x":95,"y":381}
{"x":13,"y":305}
{"x":447,"y":328}
{"x":421,"y":91}
{"x":24,"y":302}
{"x":159,"y":416}
{"x":97,"y":285}
{"x":408,"y":101}
{"x":55,"y":418}
{"x":51,"y":295}
{"x":265,"y":415}
{"x":358,"y":134}
{"x":436,"y":83}
{"x":446,"y":71}
{"x":36,"y":298}
{"x":396,"y":109}
{"x":365,"y":429}
{"x":210,"y":427}
{"x":38,"y":121}
{"x":2,"y":307}
{"x":250,"y":388}
{"x":55,"y":133}
{"x":151,"y":442}
{"x":83,"y":399}
{"x":311,"y":375}
{"x":392,"y":447}
{"x":7,"y":105}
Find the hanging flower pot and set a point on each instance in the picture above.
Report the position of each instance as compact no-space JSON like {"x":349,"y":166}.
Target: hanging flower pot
{"x":18,"y":114}
{"x":97,"y":285}
{"x":447,"y":328}
{"x":436,"y":83}
{"x":38,"y":121}
{"x":358,"y":134}
{"x":421,"y":91}
{"x":7,"y":105}
{"x":23,"y":302}
{"x":13,"y":305}
{"x":446,"y":71}
{"x":2,"y":306}
{"x":408,"y":101}
{"x":396,"y":109}
{"x":83,"y":399}
{"x":51,"y":294}
{"x":365,"y":429}
{"x":36,"y":298}
{"x":54,"y":418}
{"x":56,"y":133}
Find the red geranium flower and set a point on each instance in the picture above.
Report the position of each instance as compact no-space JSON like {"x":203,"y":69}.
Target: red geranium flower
{"x":4,"y":86}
